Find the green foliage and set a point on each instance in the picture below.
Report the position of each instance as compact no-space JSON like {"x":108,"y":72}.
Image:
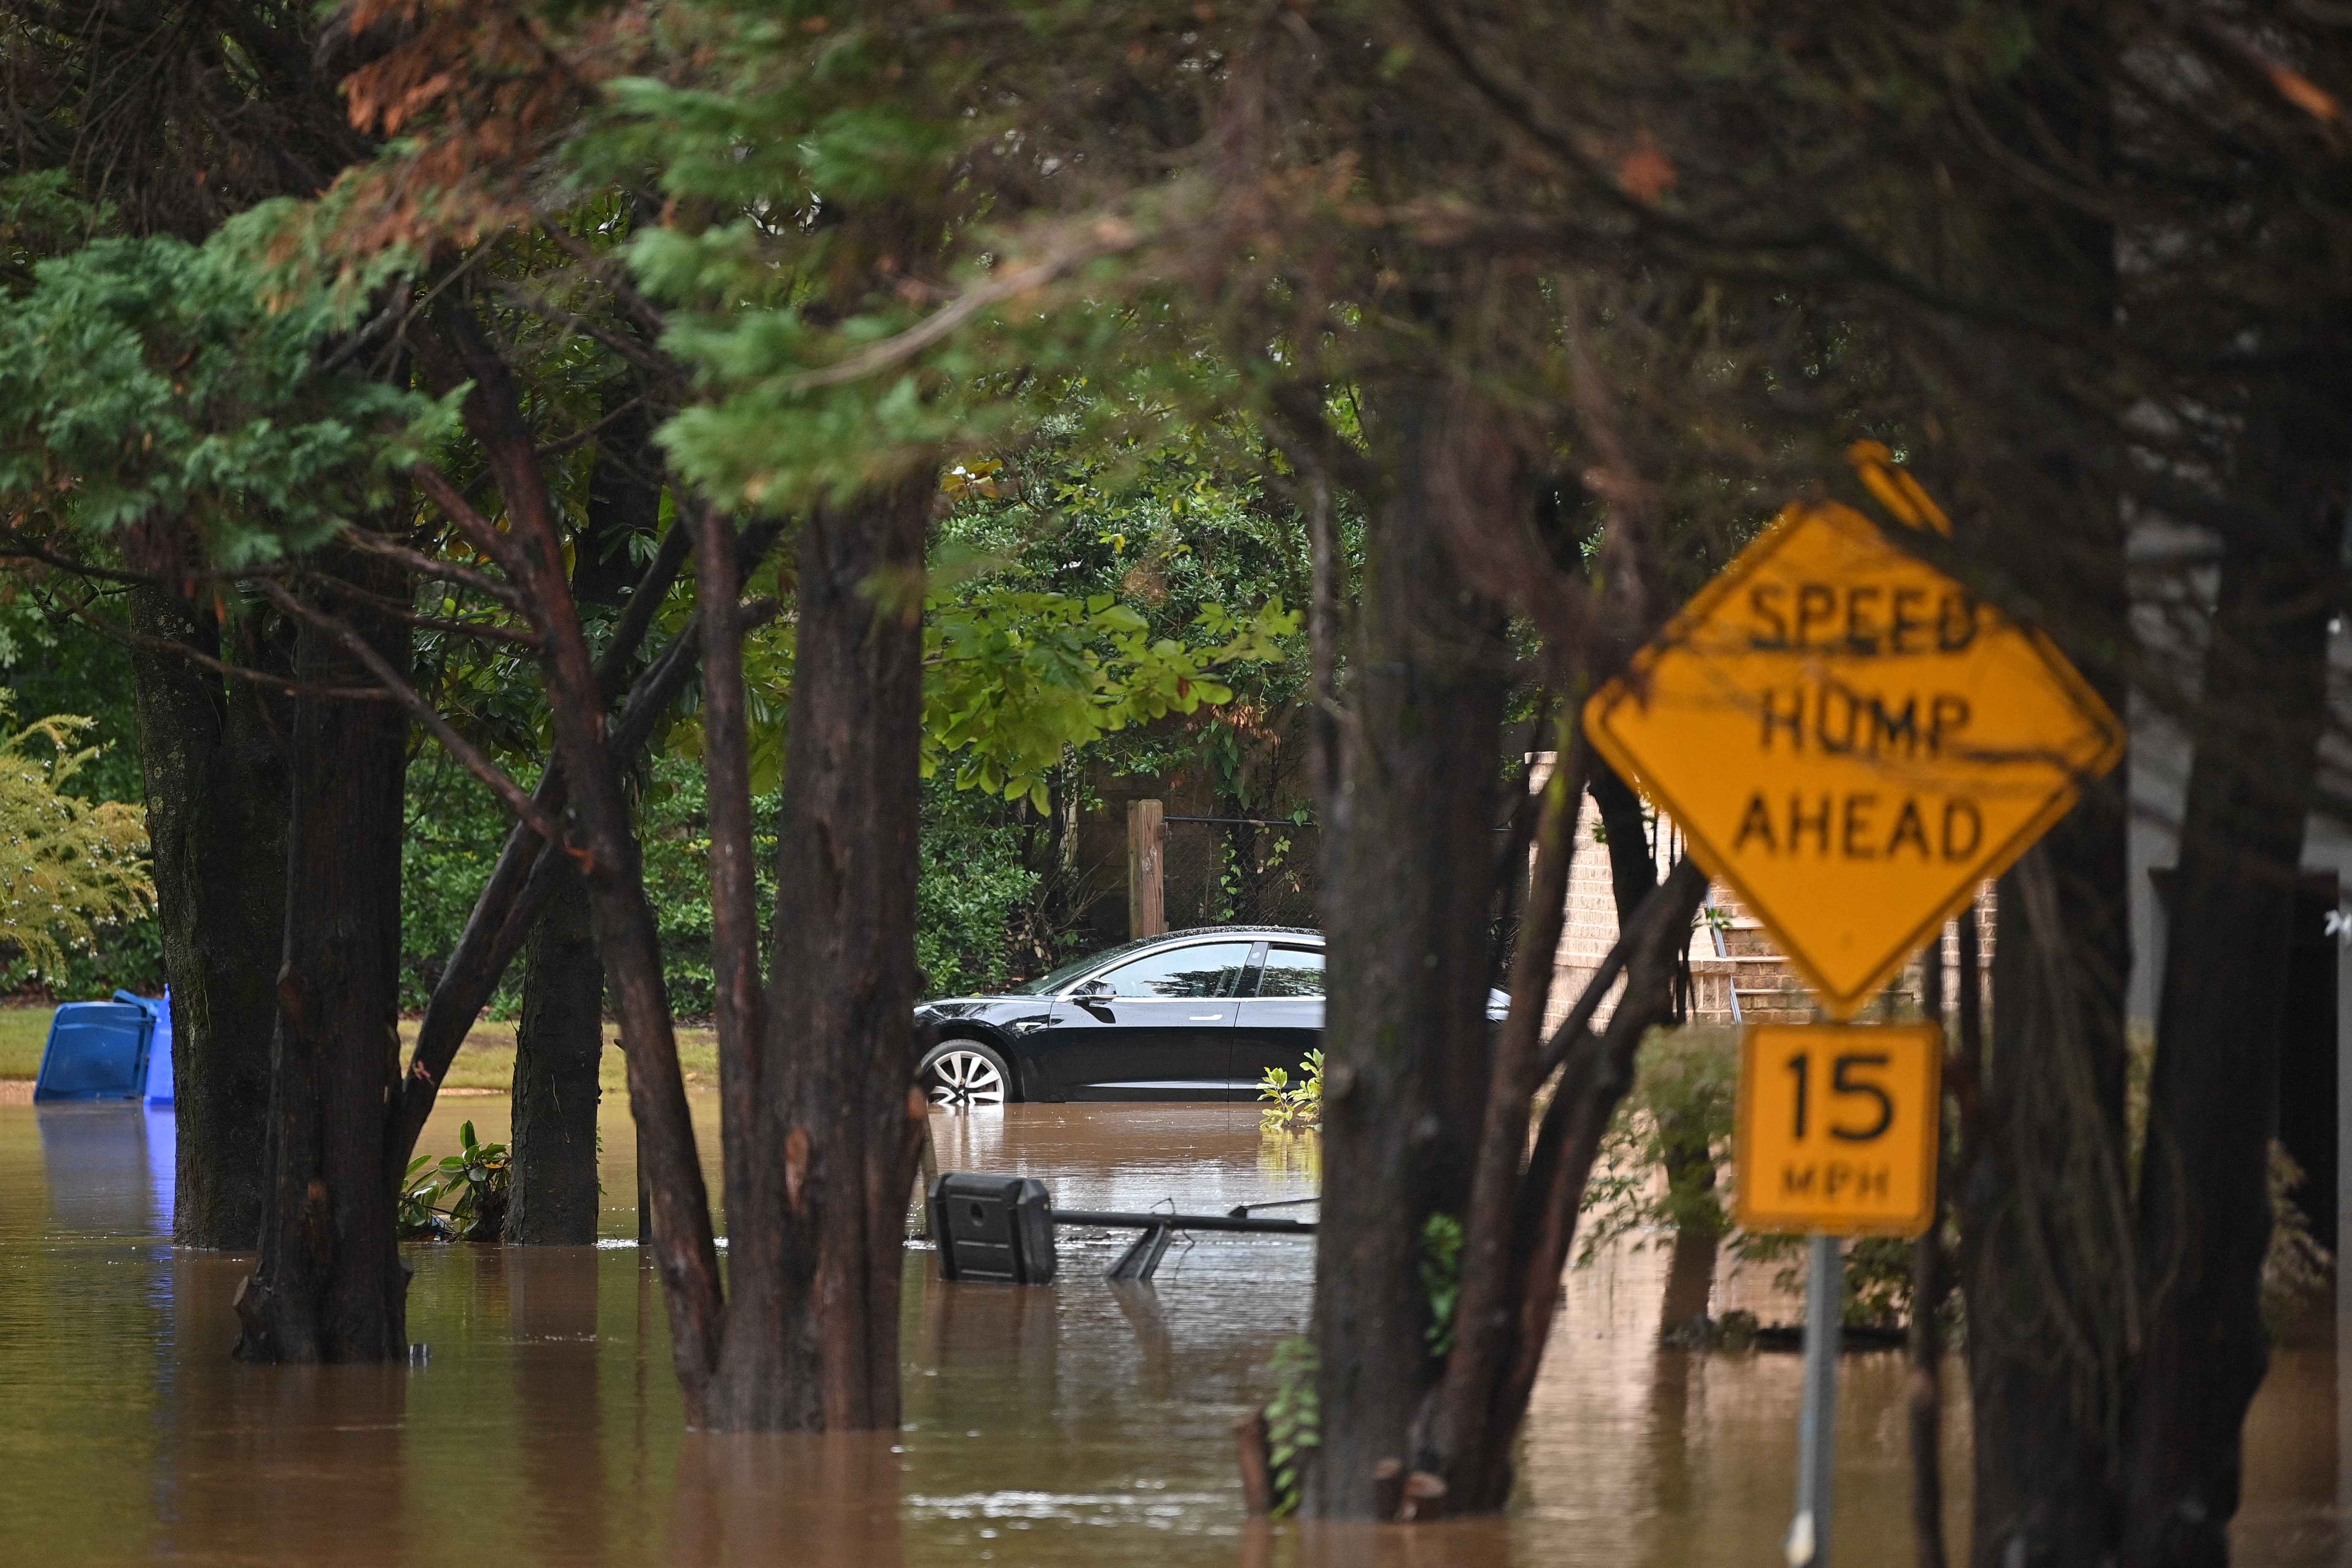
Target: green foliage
{"x":1441,"y":1278}
{"x":1664,"y":1166}
{"x":1658,"y":1161}
{"x":420,"y":1188}
{"x":1877,"y":1275}
{"x":53,"y":664}
{"x":150,"y":379}
{"x":40,"y":216}
{"x":976,"y":883}
{"x":1014,"y":678}
{"x":1296,"y":1106}
{"x":474,"y":1182}
{"x":67,"y":866}
{"x":453,"y":828}
{"x":1294,"y":1420}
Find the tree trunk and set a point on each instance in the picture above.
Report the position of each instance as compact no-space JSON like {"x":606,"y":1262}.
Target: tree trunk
{"x":2042,"y":1197}
{"x":212,"y":754}
{"x":2043,"y":1207}
{"x":601,"y":836}
{"x":527,"y":872}
{"x":813,"y":1331}
{"x":558,"y":1049}
{"x":1595,"y":1072}
{"x":331,"y":1286}
{"x":1931,"y":1282}
{"x":1406,"y":896}
{"x":1633,"y":864}
{"x":1690,"y":1164}
{"x":2040,"y":1190}
{"x":2204,"y":1215}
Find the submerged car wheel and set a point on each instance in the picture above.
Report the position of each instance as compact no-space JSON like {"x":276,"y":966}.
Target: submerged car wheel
{"x":965,"y":1072}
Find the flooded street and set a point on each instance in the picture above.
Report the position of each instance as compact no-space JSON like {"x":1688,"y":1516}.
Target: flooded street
{"x":1082,"y":1423}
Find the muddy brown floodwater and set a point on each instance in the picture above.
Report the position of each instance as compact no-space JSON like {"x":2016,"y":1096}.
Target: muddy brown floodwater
{"x":1077,"y":1423}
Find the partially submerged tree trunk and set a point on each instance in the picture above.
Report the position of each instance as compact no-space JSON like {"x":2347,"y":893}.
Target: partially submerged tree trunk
{"x":559,"y":1046}
{"x":2043,"y":1199}
{"x":1499,"y":1351}
{"x":331,"y":1286}
{"x":2204,"y":1210}
{"x":2042,"y":1193}
{"x":2041,"y":1189}
{"x":213,"y":755}
{"x":600,"y":835}
{"x":813,"y":1331}
{"x":1689,"y":1161}
{"x":558,"y":1049}
{"x":1408,"y":853}
{"x":1931,"y":1284}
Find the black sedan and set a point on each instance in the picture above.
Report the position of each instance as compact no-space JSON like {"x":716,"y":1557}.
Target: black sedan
{"x":1194,"y":1015}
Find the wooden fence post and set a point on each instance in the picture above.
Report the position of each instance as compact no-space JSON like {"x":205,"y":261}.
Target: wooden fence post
{"x":1147,"y":880}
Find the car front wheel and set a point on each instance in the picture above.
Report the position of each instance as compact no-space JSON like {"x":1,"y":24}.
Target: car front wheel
{"x":965,"y":1072}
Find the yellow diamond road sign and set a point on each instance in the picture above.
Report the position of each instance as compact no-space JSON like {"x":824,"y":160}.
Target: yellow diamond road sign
{"x":1851,"y":743}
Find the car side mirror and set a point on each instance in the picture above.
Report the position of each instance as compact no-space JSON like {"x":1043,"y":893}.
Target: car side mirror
{"x":1094,"y":991}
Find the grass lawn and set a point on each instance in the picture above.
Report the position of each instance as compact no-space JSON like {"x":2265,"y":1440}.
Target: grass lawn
{"x":487,"y":1058}
{"x":485,"y":1061}
{"x":23,"y":1032}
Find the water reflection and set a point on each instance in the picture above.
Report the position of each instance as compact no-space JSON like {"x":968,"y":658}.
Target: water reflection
{"x":551,"y":1296}
{"x":1082,"y":1423}
{"x":107,"y":1167}
{"x":781,"y":1498}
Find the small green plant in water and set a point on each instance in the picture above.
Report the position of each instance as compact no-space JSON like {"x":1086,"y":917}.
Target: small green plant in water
{"x":1294,"y":1421}
{"x":1296,"y":1106}
{"x":479,"y":1177}
{"x":418,"y":1218}
{"x":1441,"y":1277}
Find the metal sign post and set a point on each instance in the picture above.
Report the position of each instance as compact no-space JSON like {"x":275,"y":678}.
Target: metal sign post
{"x":1808,"y":1533}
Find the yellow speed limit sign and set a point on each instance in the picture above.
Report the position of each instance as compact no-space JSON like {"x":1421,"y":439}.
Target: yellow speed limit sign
{"x":1837,"y":1128}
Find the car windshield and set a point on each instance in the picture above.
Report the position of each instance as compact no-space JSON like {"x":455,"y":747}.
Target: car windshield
{"x":1055,"y":980}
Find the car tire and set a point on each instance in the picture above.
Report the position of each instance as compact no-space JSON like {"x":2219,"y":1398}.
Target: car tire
{"x":963,"y":1074}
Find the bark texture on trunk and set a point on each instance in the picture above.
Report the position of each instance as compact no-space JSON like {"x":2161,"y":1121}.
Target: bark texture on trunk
{"x":213,"y":756}
{"x":2204,"y":1211}
{"x":1406,"y":896}
{"x":601,"y":835}
{"x":1596,"y":1071}
{"x":2044,"y":1208}
{"x":813,"y":1332}
{"x":1453,"y":1417}
{"x":527,"y":872}
{"x":559,"y":1048}
{"x":2042,"y":1197}
{"x":1931,"y":1282}
{"x":1632,"y":866}
{"x":331,"y":1286}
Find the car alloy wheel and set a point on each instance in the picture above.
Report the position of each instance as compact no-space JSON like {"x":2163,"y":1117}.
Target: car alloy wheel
{"x":960,"y":1074}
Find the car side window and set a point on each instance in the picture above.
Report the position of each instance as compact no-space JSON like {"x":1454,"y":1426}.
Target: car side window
{"x":1210,"y":969}
{"x":1292,"y":972}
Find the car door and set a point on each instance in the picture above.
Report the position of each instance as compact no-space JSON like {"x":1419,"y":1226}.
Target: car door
{"x":1283,"y":1021}
{"x":1163,"y":1034}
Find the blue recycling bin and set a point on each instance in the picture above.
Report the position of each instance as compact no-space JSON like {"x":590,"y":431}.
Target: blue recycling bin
{"x":159,"y":1048}
{"x":98,"y":1050}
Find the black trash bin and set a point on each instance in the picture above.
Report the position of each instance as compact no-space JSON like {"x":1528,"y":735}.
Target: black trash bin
{"x":998,"y":1228}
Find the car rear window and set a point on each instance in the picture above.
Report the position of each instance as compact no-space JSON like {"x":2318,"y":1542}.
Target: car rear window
{"x":1292,"y":972}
